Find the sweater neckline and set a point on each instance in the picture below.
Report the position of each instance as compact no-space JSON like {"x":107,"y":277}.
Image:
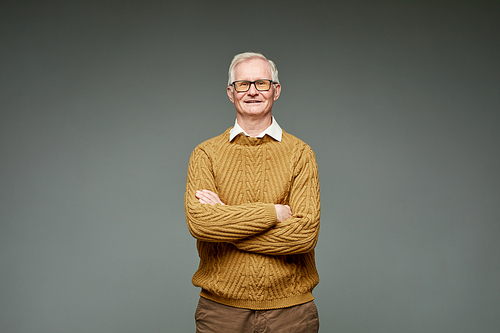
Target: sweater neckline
{"x":243,"y":140}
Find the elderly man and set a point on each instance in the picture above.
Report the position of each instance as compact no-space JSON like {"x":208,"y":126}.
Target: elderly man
{"x":252,"y":202}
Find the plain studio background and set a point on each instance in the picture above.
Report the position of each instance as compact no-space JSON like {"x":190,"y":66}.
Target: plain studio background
{"x":102,"y":103}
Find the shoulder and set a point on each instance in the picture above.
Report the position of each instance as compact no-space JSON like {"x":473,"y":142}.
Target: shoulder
{"x":296,"y":145}
{"x":214,"y":144}
{"x":302,"y":156}
{"x":208,"y":151}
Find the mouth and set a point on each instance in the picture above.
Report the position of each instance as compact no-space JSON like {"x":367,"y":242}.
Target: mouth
{"x":253,"y":102}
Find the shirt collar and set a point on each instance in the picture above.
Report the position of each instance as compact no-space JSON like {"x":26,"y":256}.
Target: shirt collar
{"x":273,"y":131}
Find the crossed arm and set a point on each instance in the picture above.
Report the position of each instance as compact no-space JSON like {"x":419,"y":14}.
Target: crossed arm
{"x":283,"y":212}
{"x":258,"y":227}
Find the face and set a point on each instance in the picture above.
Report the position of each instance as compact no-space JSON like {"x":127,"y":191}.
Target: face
{"x":253,"y":103}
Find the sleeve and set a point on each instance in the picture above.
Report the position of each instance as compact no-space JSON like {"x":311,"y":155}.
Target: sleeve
{"x":299,"y":233}
{"x":220,"y":223}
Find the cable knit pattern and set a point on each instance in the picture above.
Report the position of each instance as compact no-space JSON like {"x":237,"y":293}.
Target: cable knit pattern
{"x":247,"y":258}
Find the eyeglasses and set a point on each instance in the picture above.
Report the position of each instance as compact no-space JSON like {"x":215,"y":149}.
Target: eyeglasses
{"x":260,"y":85}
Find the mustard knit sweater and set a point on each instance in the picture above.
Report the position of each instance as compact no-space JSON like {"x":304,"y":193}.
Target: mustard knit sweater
{"x":247,"y":258}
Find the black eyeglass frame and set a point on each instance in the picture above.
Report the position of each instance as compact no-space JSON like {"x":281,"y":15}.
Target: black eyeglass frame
{"x":253,"y":82}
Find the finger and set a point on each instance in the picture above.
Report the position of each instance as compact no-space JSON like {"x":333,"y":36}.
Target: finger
{"x":203,"y":199}
{"x":208,"y":197}
{"x":204,"y":195}
{"x":203,"y":202}
{"x":208,"y":192}
{"x":212,"y":196}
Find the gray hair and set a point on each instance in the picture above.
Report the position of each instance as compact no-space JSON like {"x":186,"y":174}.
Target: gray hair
{"x":242,"y":57}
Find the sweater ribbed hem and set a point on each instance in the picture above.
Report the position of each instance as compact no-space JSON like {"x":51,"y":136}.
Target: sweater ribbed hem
{"x":259,"y":305}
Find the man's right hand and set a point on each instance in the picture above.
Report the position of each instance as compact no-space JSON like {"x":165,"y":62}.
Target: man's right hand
{"x":283,"y":212}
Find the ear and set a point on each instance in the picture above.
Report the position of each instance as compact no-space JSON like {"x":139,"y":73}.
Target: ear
{"x":230,"y":93}
{"x":277,"y":91}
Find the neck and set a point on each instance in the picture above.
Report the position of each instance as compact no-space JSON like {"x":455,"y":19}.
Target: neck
{"x":254,"y":126}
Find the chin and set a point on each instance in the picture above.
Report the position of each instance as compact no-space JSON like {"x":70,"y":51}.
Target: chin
{"x":254,"y":111}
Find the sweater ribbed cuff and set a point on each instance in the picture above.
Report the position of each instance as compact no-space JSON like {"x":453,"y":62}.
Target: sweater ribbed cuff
{"x":270,"y":212}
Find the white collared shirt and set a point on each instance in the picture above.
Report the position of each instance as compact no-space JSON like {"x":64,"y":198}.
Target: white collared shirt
{"x":274,"y":131}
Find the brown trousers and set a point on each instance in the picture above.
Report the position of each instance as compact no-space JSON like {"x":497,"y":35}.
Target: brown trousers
{"x":212,"y":317}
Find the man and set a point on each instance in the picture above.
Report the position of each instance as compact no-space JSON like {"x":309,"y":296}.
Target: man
{"x":252,"y":203}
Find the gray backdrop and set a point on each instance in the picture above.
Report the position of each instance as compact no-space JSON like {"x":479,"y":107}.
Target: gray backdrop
{"x":102,"y":103}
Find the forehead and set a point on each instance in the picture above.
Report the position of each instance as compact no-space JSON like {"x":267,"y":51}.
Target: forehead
{"x":252,"y":69}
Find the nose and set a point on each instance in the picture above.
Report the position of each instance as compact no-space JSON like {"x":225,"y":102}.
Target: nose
{"x":252,"y":90}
